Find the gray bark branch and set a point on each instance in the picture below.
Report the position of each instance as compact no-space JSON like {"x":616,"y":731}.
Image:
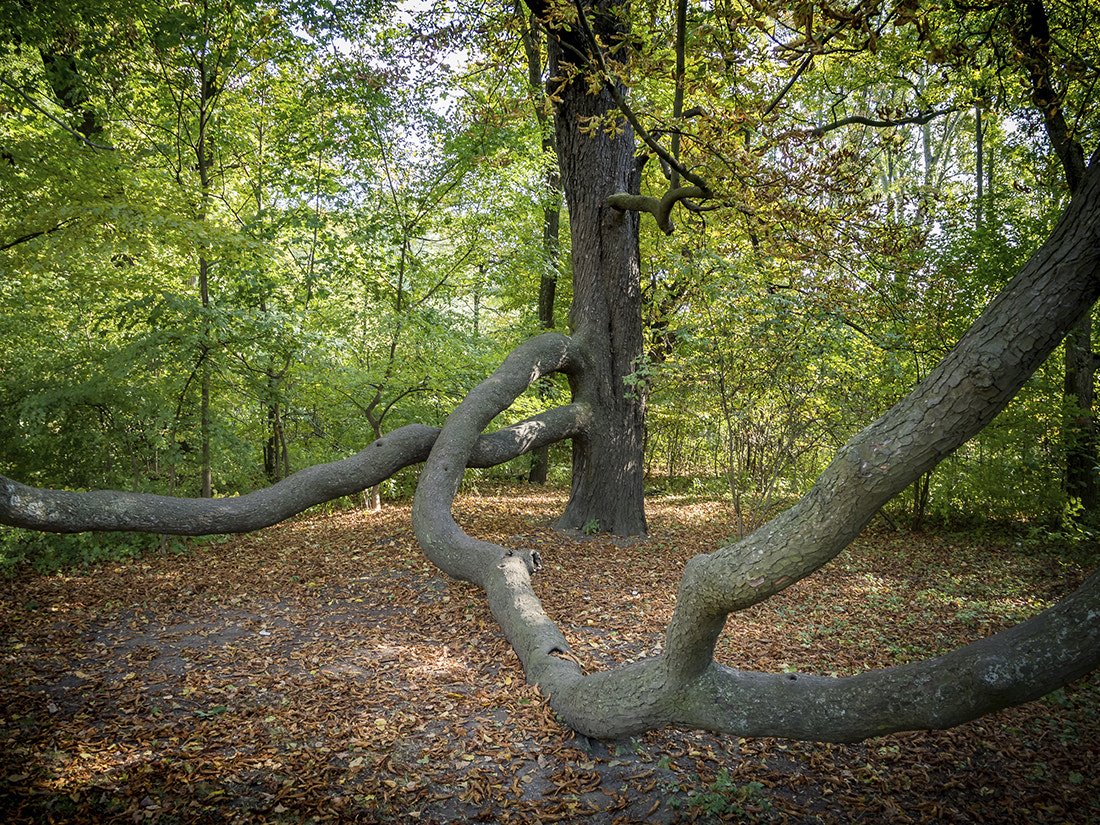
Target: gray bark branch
{"x":684,"y":686}
{"x":62,"y":511}
{"x":441,"y":539}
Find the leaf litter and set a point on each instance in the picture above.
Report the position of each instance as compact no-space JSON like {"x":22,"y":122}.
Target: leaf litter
{"x":323,"y":671}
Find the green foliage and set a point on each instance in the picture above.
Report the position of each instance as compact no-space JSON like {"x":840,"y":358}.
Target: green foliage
{"x":725,"y":797}
{"x":50,"y":552}
{"x":337,"y":251}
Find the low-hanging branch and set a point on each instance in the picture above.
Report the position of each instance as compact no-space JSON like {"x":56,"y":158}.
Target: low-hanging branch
{"x":64,"y":511}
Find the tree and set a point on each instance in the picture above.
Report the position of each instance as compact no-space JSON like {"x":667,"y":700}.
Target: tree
{"x":684,"y":685}
{"x":551,"y":213}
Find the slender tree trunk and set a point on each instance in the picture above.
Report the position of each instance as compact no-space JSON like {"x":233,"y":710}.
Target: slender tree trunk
{"x":1079,"y":423}
{"x":203,"y":161}
{"x":204,"y":391}
{"x":374,"y":498}
{"x":1033,"y":40}
{"x":979,"y":151}
{"x":605,"y":319}
{"x":551,"y":224}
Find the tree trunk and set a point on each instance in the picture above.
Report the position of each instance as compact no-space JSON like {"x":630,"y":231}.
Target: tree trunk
{"x":551,"y":223}
{"x":1079,"y":423}
{"x":605,"y":319}
{"x":205,"y":461}
{"x":1032,"y":38}
{"x":204,"y":163}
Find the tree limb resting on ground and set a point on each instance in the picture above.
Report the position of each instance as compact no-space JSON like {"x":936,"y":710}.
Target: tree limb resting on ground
{"x":63,"y":511}
{"x":684,"y":686}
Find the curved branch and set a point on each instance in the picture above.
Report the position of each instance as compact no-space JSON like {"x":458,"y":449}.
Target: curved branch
{"x":442,"y":540}
{"x":504,"y":574}
{"x":1012,"y":667}
{"x":918,"y":119}
{"x":659,"y":208}
{"x":684,"y":686}
{"x":973,"y":383}
{"x":1009,"y":668}
{"x":63,"y":511}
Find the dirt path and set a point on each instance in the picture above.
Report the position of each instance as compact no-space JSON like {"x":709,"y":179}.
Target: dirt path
{"x":323,"y":671}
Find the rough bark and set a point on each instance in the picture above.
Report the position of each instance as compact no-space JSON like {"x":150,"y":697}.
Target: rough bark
{"x":605,"y":318}
{"x":61,"y":511}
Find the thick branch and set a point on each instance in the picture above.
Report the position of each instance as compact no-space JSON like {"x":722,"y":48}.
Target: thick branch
{"x":442,"y":540}
{"x":659,"y":208}
{"x":1015,"y":666}
{"x":62,"y":511}
{"x":974,"y":382}
{"x":1012,"y":667}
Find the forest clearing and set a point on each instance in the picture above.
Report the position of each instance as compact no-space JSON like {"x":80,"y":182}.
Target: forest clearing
{"x":323,"y":670}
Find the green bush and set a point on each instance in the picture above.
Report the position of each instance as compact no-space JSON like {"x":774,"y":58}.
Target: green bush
{"x":50,"y":552}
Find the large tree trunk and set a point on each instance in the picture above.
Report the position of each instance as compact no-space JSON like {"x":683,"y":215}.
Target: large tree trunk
{"x":606,"y":317}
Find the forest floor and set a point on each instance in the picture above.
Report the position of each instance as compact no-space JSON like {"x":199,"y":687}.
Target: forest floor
{"x":324,"y":671}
